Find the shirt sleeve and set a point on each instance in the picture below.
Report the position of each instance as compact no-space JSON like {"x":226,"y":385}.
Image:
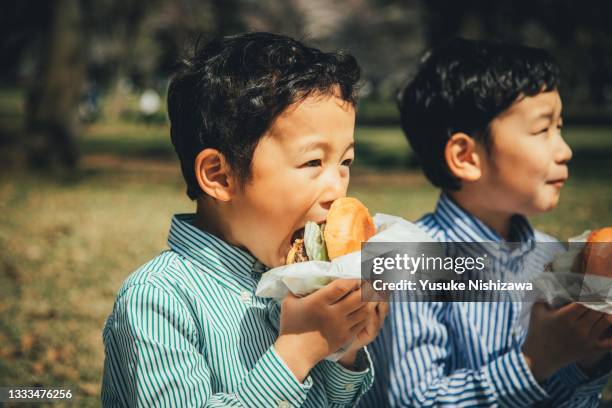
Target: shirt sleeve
{"x":153,"y":359}
{"x":571,"y":387}
{"x":419,"y":368}
{"x":344,"y":387}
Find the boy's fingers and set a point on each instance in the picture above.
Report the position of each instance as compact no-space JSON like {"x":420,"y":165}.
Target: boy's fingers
{"x":350,"y":302}
{"x":372,"y":295}
{"x":337,"y":289}
{"x":289,"y":297}
{"x":572,"y":311}
{"x":359,"y":315}
{"x":382,"y":309}
{"x":379,"y":313}
{"x":605,"y":344}
{"x":367,"y":289}
{"x":541,"y":310}
{"x":372,"y":311}
{"x":600,"y":327}
{"x":539,"y":307}
{"x":360,"y":311}
{"x":590,"y":318}
{"x":358,"y":327}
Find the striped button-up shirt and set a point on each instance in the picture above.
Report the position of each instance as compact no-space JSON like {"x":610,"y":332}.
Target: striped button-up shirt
{"x":469,"y":353}
{"x":187,"y":330}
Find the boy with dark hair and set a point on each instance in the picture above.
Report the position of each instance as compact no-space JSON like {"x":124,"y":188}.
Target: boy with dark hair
{"x":263,"y":127}
{"x":484,"y":119}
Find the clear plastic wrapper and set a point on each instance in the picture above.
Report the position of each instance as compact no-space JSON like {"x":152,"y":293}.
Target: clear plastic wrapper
{"x":564,"y":284}
{"x":561,"y":288}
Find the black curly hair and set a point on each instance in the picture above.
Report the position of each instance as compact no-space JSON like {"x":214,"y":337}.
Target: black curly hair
{"x":227,"y":93}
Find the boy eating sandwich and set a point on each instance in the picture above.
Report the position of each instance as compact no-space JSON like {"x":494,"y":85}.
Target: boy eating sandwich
{"x":263,"y":128}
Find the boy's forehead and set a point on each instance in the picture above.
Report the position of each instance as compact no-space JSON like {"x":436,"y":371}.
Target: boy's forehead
{"x":540,"y":106}
{"x":314,"y":116}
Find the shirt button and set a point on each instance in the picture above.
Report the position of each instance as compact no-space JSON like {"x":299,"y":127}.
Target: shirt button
{"x":348,"y":387}
{"x":245,"y":296}
{"x":284,"y":404}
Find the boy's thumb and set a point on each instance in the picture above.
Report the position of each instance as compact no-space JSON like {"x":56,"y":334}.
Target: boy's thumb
{"x":540,"y":309}
{"x":289,"y":297}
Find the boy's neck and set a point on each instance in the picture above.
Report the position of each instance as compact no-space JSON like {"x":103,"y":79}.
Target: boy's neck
{"x":498,"y":221}
{"x":207,"y":219}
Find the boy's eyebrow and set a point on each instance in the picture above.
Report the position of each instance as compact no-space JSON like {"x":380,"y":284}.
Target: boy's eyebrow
{"x":349,"y":147}
{"x":314,"y":145}
{"x":548,"y":114}
{"x":322,"y":145}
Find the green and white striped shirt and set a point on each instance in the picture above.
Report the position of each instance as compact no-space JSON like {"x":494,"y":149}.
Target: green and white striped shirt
{"x":187,"y":330}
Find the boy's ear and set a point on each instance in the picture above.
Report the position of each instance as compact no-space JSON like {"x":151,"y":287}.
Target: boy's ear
{"x":463,"y":157}
{"x":214,"y":175}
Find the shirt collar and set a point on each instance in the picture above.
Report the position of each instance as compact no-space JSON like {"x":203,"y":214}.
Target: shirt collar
{"x":468,"y":228}
{"x":233,"y":266}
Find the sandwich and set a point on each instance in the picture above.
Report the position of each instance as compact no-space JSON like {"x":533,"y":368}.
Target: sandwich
{"x":348,"y":224}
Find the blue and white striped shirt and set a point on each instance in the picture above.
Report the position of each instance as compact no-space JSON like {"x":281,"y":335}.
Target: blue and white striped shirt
{"x":469,"y":353}
{"x":187,"y":330}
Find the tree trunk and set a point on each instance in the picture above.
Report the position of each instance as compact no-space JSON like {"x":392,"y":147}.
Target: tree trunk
{"x":53,"y":100}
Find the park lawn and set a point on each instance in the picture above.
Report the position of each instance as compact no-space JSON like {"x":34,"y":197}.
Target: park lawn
{"x":69,"y":243}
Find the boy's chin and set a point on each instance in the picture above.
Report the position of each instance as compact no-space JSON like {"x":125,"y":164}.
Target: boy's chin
{"x":271,"y":258}
{"x":545,"y":205}
{"x":279,"y":260}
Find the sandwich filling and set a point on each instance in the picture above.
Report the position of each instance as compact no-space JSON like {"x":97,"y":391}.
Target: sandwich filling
{"x":308,"y":244}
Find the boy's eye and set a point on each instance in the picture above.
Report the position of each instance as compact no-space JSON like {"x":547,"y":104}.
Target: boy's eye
{"x":347,"y":162}
{"x":312,"y":163}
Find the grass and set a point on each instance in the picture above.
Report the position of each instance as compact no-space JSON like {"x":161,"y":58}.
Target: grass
{"x":68,"y":243}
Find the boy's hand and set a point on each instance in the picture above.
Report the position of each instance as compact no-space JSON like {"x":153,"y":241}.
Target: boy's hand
{"x":377,"y":311}
{"x":557,"y":337}
{"x":317,"y":325}
{"x":591,"y":363}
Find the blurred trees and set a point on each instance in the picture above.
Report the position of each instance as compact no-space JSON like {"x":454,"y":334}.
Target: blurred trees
{"x":55,"y":91}
{"x":57,"y":49}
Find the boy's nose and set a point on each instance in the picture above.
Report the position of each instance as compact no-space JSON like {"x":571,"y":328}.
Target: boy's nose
{"x":564,"y":154}
{"x":336,"y":186}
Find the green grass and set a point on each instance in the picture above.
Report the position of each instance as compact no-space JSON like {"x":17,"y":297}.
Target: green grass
{"x":68,"y":243}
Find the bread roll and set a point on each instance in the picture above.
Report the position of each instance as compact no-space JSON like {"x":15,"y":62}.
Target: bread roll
{"x":598,"y":253}
{"x":348,"y":225}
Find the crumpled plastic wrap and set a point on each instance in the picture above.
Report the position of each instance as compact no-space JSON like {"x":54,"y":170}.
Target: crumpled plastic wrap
{"x":561,"y":288}
{"x":563,"y":284}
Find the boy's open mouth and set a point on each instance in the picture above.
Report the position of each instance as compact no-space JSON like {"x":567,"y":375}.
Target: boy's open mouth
{"x":299,"y":233}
